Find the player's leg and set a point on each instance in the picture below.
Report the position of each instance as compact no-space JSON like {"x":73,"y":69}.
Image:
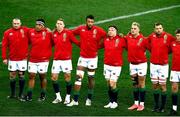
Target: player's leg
{"x":162,"y":81}
{"x":142,"y":71}
{"x":77,"y":85}
{"x":67,"y":76}
{"x":113,"y":85}
{"x":31,"y":84}
{"x":43,"y":82}
{"x":55,"y":70}
{"x":32,"y":69}
{"x":155,"y":85}
{"x":21,"y":83}
{"x":175,"y":79}
{"x":42,"y":69}
{"x":54,"y":78}
{"x":78,"y":82}
{"x":107,"y":75}
{"x":22,"y":67}
{"x":142,"y":92}
{"x":67,"y":67}
{"x":12,"y":77}
{"x":91,"y":83}
{"x":92,"y":65}
{"x":134,"y":78}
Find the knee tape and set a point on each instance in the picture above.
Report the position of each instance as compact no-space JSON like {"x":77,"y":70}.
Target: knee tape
{"x":80,"y":73}
{"x":78,"y":81}
{"x":91,"y":74}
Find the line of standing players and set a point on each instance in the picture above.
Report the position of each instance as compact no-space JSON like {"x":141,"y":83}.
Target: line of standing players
{"x":35,"y":46}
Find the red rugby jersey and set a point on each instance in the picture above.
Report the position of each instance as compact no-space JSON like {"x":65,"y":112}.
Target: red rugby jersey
{"x":159,"y":47}
{"x":113,"y":50}
{"x":15,"y":43}
{"x":89,"y":40}
{"x":63,"y":44}
{"x":175,"y":48}
{"x":136,"y":47}
{"x":41,"y":45}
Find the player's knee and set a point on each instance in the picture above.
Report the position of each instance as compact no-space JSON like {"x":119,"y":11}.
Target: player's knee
{"x":32,"y":76}
{"x":67,"y":77}
{"x":54,"y":78}
{"x":163,"y":87}
{"x":78,"y":81}
{"x":112,"y":84}
{"x":12,"y":74}
{"x":91,"y":74}
{"x":21,"y":74}
{"x":134,"y":81}
{"x":174,"y":89}
{"x":80,"y":73}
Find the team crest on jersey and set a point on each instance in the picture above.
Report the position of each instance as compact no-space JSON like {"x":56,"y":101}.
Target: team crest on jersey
{"x":22,"y":32}
{"x":107,"y":39}
{"x":165,"y":38}
{"x":44,"y":35}
{"x":140,"y":41}
{"x":94,"y":33}
{"x":116,"y":42}
{"x":10,"y":34}
{"x":64,"y":36}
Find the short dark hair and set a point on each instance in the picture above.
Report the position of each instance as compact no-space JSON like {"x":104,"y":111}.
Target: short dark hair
{"x":89,"y":17}
{"x":177,"y":31}
{"x":157,"y":24}
{"x":41,"y":20}
{"x":113,"y":27}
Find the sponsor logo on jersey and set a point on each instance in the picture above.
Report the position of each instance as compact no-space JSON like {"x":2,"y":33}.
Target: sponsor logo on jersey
{"x":83,"y":30}
{"x":174,"y":44}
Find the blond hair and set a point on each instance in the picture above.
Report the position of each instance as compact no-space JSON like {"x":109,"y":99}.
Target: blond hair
{"x":136,"y":24}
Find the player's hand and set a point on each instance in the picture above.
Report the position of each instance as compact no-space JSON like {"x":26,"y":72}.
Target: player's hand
{"x":48,"y":29}
{"x":5,"y":61}
{"x":121,"y":34}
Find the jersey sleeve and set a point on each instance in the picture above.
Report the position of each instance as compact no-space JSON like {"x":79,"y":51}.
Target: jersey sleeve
{"x":74,"y":39}
{"x":76,"y":31}
{"x":4,"y":45}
